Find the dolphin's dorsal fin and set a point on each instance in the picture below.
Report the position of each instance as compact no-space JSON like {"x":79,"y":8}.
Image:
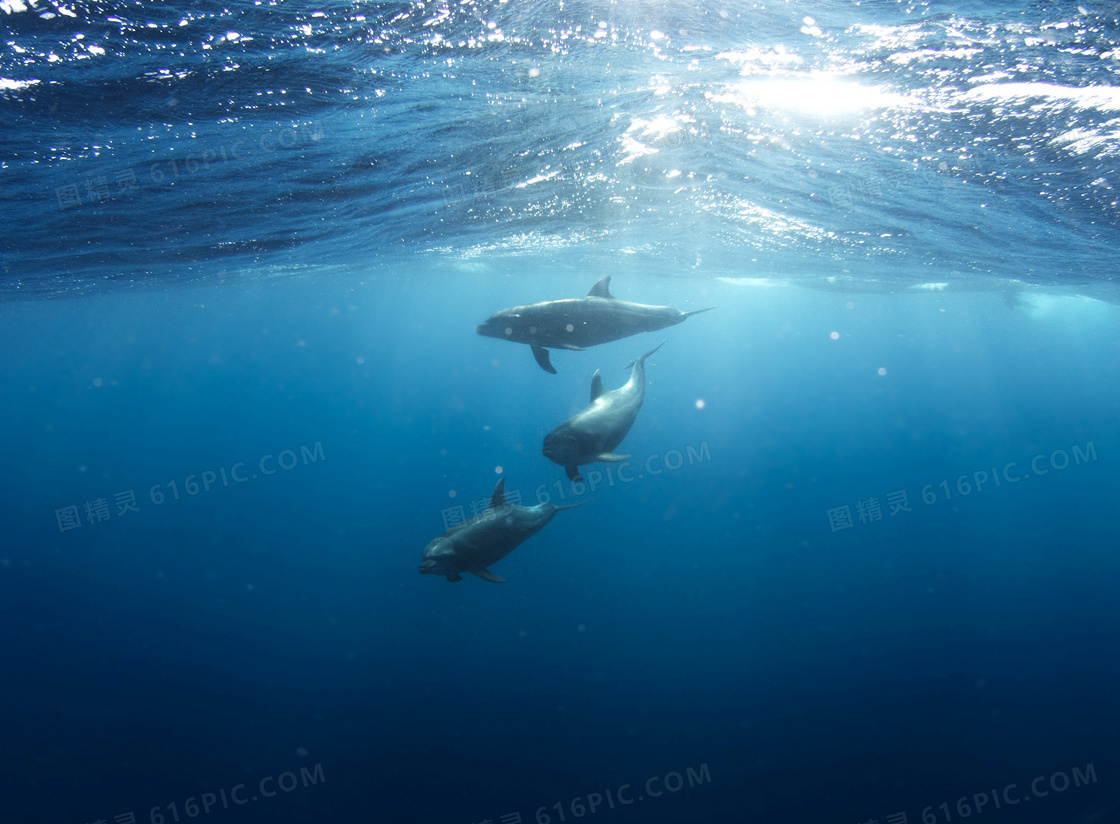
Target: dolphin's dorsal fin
{"x":487,"y":575}
{"x":602,"y":289}
{"x":596,"y":386}
{"x":499,"y":497}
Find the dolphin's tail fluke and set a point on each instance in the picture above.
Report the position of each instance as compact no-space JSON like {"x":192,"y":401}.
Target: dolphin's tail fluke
{"x":642,"y":359}
{"x":698,"y":311}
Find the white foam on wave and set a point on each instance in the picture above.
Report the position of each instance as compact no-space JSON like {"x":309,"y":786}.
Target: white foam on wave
{"x":1104,"y":98}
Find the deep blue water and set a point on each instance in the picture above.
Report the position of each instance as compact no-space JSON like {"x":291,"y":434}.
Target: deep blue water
{"x":863,"y":565}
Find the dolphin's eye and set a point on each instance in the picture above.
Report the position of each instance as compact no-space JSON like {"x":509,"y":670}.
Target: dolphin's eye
{"x":509,"y":330}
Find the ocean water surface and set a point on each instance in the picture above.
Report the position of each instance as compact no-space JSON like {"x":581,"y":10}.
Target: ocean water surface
{"x":861,"y":564}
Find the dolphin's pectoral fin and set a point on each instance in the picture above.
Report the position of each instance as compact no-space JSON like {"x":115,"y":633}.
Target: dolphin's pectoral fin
{"x":541,"y":354}
{"x":454,"y":577}
{"x":499,"y":496}
{"x":573,"y":473}
{"x":596,"y":386}
{"x":610,"y":457}
{"x":602,"y":289}
{"x":487,"y":575}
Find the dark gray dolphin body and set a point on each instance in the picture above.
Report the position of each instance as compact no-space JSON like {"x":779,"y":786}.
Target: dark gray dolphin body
{"x":592,"y":433}
{"x":576,"y":323}
{"x":485,"y":539}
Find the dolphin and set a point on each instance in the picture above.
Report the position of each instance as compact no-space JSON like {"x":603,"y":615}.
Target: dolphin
{"x":591,"y":434}
{"x":485,"y":539}
{"x":575,"y":323}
